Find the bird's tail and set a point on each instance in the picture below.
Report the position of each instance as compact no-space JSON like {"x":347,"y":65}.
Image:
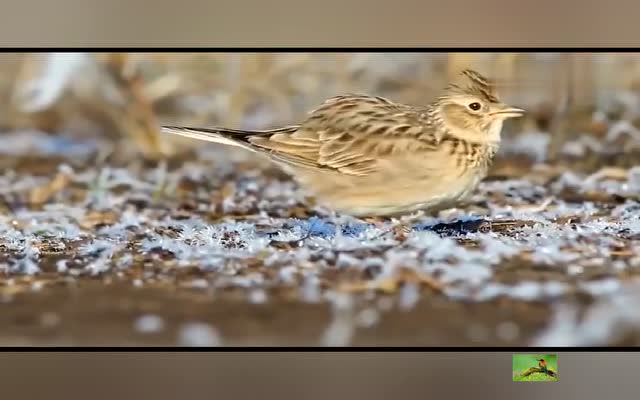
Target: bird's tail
{"x":231,"y":137}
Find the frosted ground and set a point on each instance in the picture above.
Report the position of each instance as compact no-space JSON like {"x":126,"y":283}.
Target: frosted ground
{"x":220,"y":250}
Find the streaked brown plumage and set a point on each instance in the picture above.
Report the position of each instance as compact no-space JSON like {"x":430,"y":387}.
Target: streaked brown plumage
{"x":367,"y":156}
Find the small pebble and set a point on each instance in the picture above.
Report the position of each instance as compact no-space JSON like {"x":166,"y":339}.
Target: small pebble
{"x":198,"y":334}
{"x":149,"y":324}
{"x":258,"y":296}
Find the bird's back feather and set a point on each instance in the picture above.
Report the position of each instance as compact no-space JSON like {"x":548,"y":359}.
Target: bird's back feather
{"x":347,"y":134}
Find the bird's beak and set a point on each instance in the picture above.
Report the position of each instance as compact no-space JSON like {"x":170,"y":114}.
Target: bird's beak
{"x":505,"y":111}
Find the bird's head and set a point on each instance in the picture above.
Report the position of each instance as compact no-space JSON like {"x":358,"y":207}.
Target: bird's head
{"x":470,"y":108}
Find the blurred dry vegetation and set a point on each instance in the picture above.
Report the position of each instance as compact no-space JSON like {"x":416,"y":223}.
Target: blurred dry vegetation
{"x":124,"y":97}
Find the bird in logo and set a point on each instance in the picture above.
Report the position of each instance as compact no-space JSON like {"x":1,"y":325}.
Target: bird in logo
{"x":542,"y":368}
{"x":543,"y":365}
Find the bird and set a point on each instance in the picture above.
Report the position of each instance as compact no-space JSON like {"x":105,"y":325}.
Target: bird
{"x":542,"y":368}
{"x":369,"y":157}
{"x":542,"y":364}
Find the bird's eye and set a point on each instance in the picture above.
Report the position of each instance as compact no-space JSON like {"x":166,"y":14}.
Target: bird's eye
{"x":475,"y":106}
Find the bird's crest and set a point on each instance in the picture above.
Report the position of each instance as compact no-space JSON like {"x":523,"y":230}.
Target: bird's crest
{"x":472,"y":82}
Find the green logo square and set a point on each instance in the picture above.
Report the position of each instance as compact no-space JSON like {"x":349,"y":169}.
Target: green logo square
{"x":535,"y":368}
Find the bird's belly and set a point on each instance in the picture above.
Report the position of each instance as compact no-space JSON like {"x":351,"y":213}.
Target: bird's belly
{"x":452,"y":193}
{"x":402,"y":195}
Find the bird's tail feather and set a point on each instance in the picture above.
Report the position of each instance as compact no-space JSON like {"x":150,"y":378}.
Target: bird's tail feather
{"x":231,"y":137}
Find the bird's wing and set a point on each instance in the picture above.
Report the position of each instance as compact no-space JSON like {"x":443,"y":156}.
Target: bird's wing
{"x":351,"y":134}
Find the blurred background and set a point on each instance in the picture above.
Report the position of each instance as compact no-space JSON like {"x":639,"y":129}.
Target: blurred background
{"x":580,"y":104}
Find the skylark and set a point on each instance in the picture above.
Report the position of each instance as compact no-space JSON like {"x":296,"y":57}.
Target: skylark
{"x":366,"y":156}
